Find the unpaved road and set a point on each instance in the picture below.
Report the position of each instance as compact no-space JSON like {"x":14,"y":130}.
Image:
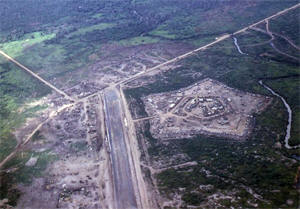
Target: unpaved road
{"x":28,"y":138}
{"x":124,"y":195}
{"x":289,"y":110}
{"x":219,"y":39}
{"x":134,"y":154}
{"x":36,"y":76}
{"x":124,"y":189}
{"x":273,"y":45}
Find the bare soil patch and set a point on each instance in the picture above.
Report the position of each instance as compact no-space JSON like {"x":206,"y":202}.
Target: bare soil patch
{"x":207,"y":107}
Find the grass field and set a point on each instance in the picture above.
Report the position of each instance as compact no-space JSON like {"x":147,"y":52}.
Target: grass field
{"x":16,"y":48}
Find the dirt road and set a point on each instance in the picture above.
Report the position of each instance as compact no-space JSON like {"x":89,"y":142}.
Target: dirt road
{"x":28,"y":138}
{"x":125,"y":196}
{"x":36,"y":76}
{"x":219,"y":39}
{"x":270,"y":33}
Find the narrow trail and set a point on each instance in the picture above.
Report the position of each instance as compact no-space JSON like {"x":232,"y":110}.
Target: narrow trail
{"x":288,"y":40}
{"x":85,"y":122}
{"x":28,"y":138}
{"x":277,"y":34}
{"x":145,"y":118}
{"x":173,"y":60}
{"x":263,"y":31}
{"x":273,"y":45}
{"x":36,"y":76}
{"x":143,"y":190}
{"x":143,"y":72}
{"x":289,"y":110}
{"x":281,"y":52}
{"x":159,"y":170}
{"x":271,"y":34}
{"x":219,"y":39}
{"x":268,"y":30}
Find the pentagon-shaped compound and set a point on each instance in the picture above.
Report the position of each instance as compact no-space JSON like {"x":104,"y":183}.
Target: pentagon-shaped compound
{"x":207,"y":107}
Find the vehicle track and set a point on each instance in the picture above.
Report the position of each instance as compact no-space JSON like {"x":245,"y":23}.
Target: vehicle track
{"x":36,"y":76}
{"x":139,"y":74}
{"x":28,"y":138}
{"x":222,"y":38}
{"x":288,"y":40}
{"x":273,"y":45}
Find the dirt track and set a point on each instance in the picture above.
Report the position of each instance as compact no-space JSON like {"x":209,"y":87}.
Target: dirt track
{"x":36,"y":76}
{"x":133,"y":148}
{"x":271,"y":34}
{"x":222,"y":38}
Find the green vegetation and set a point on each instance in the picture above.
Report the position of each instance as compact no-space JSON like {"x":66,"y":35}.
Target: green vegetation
{"x":213,"y":18}
{"x":282,"y":25}
{"x":60,"y":39}
{"x":25,"y":173}
{"x":290,"y":88}
{"x":8,"y":189}
{"x":79,"y":146}
{"x":75,"y":31}
{"x":253,"y":39}
{"x":138,"y":41}
{"x":233,"y":166}
{"x":162,"y":33}
{"x":22,"y":173}
{"x":16,"y":88}
{"x":82,"y":31}
{"x":98,"y":16}
{"x":37,"y":136}
{"x":192,"y":198}
{"x":15,"y":48}
{"x":254,"y":163}
{"x":198,"y":42}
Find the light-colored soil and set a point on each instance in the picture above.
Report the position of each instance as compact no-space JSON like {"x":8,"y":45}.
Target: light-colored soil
{"x":271,"y":34}
{"x":132,"y":146}
{"x":83,"y":177}
{"x":207,"y":107}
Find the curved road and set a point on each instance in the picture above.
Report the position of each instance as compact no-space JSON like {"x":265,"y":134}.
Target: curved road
{"x":289,"y":110}
{"x":219,"y":39}
{"x":124,"y":190}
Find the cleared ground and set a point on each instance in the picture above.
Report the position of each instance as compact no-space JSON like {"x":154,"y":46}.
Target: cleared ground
{"x":206,"y":107}
{"x":81,"y":173}
{"x":121,"y":170}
